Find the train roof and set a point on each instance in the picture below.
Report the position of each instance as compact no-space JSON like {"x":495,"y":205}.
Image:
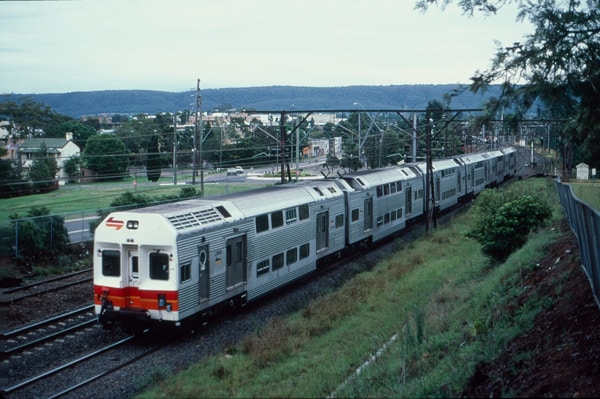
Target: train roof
{"x":374,"y":177}
{"x":227,"y":208}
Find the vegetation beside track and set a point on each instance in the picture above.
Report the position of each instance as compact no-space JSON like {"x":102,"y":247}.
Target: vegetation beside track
{"x":430,"y":312}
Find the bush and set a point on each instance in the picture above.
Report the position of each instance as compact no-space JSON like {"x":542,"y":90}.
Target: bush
{"x":504,"y":220}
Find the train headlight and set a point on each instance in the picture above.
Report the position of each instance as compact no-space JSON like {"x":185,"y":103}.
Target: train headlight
{"x":162,"y":300}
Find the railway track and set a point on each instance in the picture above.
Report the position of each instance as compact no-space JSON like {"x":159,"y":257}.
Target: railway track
{"x":45,"y":286}
{"x":35,"y":334}
{"x":77,"y":372}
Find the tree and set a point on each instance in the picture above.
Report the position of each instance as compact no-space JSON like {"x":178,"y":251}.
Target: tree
{"x":153,"y":169}
{"x":43,"y":170}
{"x":556,"y":65}
{"x":106,"y":155}
{"x":39,"y":236}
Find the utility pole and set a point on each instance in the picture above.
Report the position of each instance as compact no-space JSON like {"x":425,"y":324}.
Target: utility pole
{"x":199,"y":102}
{"x":175,"y":149}
{"x":194,"y":150}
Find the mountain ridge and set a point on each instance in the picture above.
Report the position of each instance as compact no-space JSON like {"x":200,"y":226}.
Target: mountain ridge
{"x":289,"y":98}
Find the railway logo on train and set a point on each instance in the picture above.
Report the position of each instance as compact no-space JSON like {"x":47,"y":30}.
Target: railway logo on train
{"x":175,"y":263}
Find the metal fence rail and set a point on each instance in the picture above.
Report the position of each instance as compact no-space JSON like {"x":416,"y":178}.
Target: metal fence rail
{"x":585,"y":223}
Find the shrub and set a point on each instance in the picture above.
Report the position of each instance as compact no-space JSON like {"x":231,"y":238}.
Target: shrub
{"x":504,"y":220}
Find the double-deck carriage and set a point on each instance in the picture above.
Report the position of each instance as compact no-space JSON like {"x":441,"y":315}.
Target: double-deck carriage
{"x":170,"y":262}
{"x":380,"y":202}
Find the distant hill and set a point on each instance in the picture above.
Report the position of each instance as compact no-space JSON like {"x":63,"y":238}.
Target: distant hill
{"x":271,"y":98}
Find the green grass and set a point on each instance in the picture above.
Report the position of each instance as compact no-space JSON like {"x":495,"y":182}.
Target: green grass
{"x":78,"y":198}
{"x":437,"y":306}
{"x":588,"y":193}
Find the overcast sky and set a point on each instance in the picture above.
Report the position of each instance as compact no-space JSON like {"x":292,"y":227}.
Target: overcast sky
{"x":65,"y":46}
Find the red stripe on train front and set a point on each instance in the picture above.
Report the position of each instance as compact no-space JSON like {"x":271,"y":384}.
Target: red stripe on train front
{"x":133,"y":297}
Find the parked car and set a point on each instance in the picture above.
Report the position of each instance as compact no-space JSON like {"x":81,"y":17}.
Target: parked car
{"x":238,"y":170}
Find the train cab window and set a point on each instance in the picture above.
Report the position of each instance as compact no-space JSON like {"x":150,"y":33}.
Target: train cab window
{"x":339,"y":221}
{"x":303,"y":212}
{"x":392,"y":188}
{"x":276,"y":219}
{"x":159,"y":266}
{"x":111,"y":263}
{"x":291,"y":256}
{"x":278,"y":261}
{"x":399,"y":186}
{"x":262,"y":223}
{"x":304,"y":251}
{"x":379,"y":191}
{"x":355,"y":214}
{"x":185,"y":272}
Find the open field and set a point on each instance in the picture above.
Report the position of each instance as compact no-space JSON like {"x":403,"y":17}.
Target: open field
{"x":78,"y":198}
{"x":588,"y":193}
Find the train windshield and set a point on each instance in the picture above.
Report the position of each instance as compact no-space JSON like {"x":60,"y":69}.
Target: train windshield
{"x":159,"y":266}
{"x":111,"y":263}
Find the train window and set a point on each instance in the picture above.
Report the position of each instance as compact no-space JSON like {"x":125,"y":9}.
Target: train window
{"x":339,"y":221}
{"x":159,"y":266}
{"x":185,"y":272}
{"x":393,"y":215}
{"x":291,"y":256}
{"x":386,"y":218}
{"x":276,"y":219}
{"x":399,"y":212}
{"x":303,"y":210}
{"x":399,"y":186}
{"x":304,"y":251}
{"x":262,"y":223}
{"x":291,"y":215}
{"x":262,"y":267}
{"x":111,"y":263}
{"x":355,"y":214}
{"x":386,"y":189}
{"x":278,"y":261}
{"x":379,"y":191}
{"x":392,"y":188}
{"x":379,"y":220}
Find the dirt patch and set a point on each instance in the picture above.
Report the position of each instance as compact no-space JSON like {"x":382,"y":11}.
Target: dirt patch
{"x":560,"y":355}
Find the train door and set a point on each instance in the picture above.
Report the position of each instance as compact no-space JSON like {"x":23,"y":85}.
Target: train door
{"x":236,"y":261}
{"x":459,"y":181}
{"x":203,"y":272}
{"x":133,"y":266}
{"x":322,"y":230}
{"x":368,"y":214}
{"x":408,"y":202}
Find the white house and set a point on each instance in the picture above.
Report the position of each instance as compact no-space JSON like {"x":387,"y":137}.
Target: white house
{"x":60,"y":149}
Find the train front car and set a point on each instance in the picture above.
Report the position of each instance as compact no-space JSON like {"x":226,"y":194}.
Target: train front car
{"x":134,"y":268}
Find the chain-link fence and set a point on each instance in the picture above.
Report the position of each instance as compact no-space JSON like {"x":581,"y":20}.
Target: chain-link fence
{"x":48,"y":230}
{"x":585,"y":223}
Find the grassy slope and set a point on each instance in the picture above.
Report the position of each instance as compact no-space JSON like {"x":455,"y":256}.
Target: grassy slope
{"x":434,"y":309}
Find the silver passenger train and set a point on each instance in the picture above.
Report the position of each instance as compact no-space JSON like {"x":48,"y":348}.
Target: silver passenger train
{"x":177,"y":262}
